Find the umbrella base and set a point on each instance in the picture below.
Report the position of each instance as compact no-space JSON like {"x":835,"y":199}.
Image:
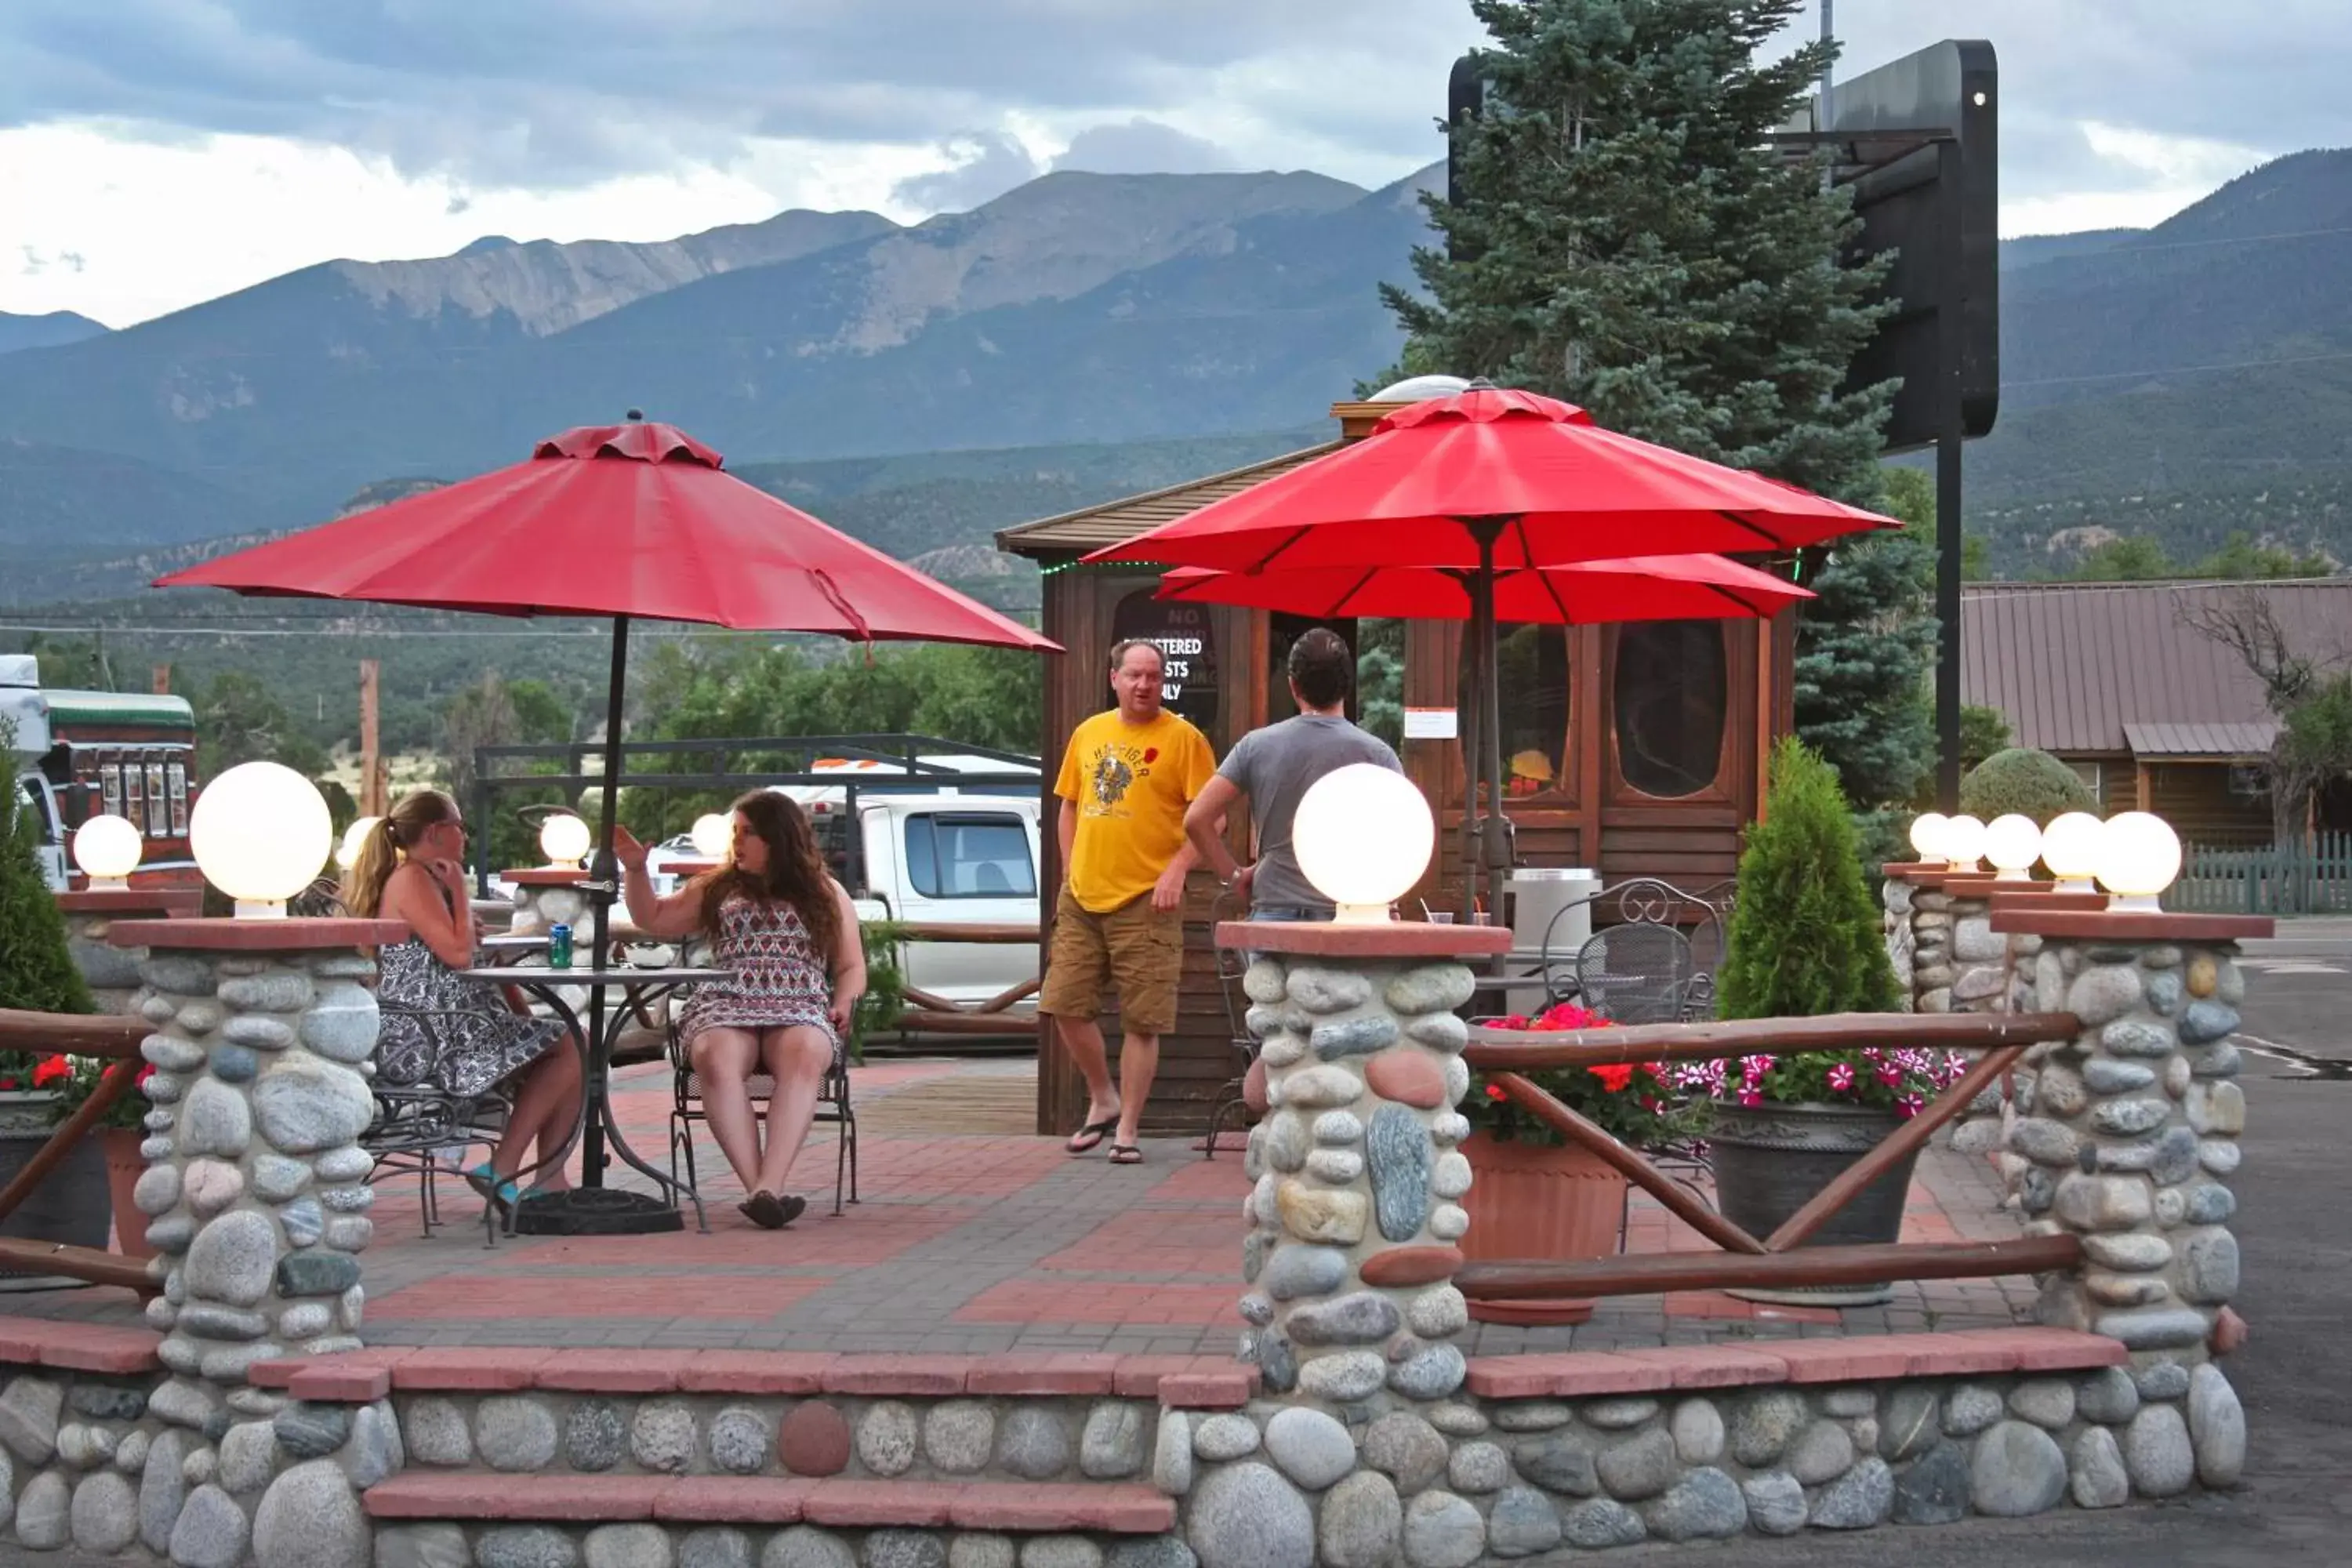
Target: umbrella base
{"x":596,"y":1211}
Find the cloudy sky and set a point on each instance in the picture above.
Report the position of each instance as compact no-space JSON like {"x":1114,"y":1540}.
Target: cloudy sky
{"x":157,"y":152}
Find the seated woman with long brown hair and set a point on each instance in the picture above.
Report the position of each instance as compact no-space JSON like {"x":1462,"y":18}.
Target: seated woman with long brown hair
{"x":776,"y":918}
{"x":411,"y":867}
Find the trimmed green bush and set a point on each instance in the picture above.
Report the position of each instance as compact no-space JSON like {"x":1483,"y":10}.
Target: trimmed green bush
{"x":1805,"y":937}
{"x":2023,"y":779}
{"x":37,"y":971}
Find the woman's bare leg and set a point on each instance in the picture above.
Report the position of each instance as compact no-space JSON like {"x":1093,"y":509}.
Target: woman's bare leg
{"x":543,"y":1111}
{"x":723,"y":1059}
{"x":798,"y":1057}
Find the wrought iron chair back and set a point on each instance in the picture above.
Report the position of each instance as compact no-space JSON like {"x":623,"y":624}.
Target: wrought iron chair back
{"x":1635,"y":973}
{"x":1232,"y":964}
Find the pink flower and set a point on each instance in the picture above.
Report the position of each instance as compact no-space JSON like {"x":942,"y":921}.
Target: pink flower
{"x":1908,"y":1106}
{"x":1842,"y":1077}
{"x":1889,"y":1074}
{"x":1751,"y":1097}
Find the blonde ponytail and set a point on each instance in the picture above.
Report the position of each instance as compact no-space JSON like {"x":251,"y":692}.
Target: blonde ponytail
{"x":386,"y":847}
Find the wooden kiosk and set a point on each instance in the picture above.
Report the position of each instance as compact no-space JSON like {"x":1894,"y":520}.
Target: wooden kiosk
{"x":1638,"y":749}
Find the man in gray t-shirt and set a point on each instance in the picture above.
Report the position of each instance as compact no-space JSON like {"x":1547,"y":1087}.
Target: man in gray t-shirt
{"x":1273,"y":768}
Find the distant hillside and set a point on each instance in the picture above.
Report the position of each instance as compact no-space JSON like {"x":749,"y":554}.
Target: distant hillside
{"x":45,"y":332}
{"x":2033,"y":249}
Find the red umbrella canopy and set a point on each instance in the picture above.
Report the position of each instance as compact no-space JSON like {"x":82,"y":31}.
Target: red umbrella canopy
{"x":1590,"y":593}
{"x":1570,"y":490}
{"x":616,"y":519}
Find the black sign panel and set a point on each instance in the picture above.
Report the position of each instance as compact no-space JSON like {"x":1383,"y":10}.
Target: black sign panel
{"x":1186,"y":641}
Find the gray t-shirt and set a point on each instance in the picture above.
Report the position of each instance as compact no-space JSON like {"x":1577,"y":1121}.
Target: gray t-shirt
{"x":1275,"y":766}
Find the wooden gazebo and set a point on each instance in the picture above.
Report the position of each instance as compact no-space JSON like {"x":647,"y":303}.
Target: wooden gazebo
{"x":1637,"y":750}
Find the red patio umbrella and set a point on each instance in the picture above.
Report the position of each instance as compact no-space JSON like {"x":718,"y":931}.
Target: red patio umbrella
{"x":1492,"y":480}
{"x":1587,"y":593}
{"x":634,"y":521}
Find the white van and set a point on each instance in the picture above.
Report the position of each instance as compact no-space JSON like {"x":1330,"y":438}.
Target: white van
{"x":932,"y":854}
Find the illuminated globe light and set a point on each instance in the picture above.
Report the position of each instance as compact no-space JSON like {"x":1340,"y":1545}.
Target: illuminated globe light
{"x":260,"y":833}
{"x":2013,"y":843}
{"x":1363,"y":836}
{"x":107,"y":848}
{"x":347,"y":853}
{"x":1961,"y":842}
{"x":564,"y":840}
{"x":2139,"y":855}
{"x":1926,"y":830}
{"x":713,"y":836}
{"x":2070,"y":847}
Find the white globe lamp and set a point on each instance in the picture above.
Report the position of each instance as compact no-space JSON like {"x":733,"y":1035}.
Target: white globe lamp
{"x":713,"y":834}
{"x":2013,"y":843}
{"x":1961,"y":842}
{"x":260,"y":832}
{"x":347,"y":853}
{"x":2139,"y":855}
{"x":564,"y":840}
{"x":107,"y":848}
{"x":2070,"y":847}
{"x":1926,"y":830}
{"x":1363,"y":836}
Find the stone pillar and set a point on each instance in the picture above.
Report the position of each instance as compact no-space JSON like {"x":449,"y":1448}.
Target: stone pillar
{"x":110,"y":969}
{"x":2131,"y":1140}
{"x":546,"y":896}
{"x":1351,"y":1312}
{"x":264,"y":1043}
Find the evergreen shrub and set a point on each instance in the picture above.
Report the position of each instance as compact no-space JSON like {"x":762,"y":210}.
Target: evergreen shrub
{"x":2023,"y":779}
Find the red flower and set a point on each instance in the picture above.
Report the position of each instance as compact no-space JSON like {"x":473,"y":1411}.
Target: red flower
{"x":50,"y":1070}
{"x":1495,"y":1091}
{"x":1150,"y":754}
{"x":1613,"y":1077}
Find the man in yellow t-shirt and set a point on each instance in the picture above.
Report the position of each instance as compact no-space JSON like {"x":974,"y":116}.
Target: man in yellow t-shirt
{"x":1126,"y":780}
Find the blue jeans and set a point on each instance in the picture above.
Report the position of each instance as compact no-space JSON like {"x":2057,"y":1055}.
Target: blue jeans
{"x":1286,"y":914}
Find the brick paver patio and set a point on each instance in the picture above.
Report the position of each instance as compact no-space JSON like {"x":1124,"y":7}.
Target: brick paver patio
{"x":994,"y":1240}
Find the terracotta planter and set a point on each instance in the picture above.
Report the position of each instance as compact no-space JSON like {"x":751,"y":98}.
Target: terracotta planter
{"x":1530,"y":1201}
{"x":69,"y":1205}
{"x":124,"y":1165}
{"x":1770,"y":1159}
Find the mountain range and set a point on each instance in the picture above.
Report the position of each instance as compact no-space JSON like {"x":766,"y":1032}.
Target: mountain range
{"x":1072,"y":340}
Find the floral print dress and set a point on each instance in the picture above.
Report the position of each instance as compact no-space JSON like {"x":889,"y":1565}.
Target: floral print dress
{"x":779,"y":980}
{"x":469,"y":1039}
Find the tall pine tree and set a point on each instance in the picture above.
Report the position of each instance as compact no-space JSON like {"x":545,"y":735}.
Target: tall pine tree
{"x":1629,"y":240}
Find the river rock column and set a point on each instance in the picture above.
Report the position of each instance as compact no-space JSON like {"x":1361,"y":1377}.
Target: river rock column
{"x":1356,"y":1211}
{"x":264,"y":1042}
{"x":110,"y":970}
{"x":546,"y":896}
{"x":2133,"y":1135}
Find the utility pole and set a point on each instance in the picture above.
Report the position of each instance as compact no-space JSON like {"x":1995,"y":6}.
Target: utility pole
{"x":160,"y":680}
{"x":372,"y":781}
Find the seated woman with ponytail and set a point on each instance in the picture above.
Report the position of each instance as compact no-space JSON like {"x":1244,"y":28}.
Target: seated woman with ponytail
{"x":778,"y":919}
{"x":410,"y":867}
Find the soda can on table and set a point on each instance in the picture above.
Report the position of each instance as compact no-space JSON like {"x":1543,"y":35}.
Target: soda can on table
{"x":558,"y":946}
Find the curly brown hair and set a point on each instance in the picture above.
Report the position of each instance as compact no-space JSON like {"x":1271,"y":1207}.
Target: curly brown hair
{"x":796,"y":873}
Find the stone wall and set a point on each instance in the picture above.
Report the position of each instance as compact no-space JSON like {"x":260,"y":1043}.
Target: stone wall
{"x":1946,"y":956}
{"x":256,"y":1197}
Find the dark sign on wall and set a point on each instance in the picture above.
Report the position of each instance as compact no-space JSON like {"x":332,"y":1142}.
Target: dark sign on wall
{"x":1186,"y":642}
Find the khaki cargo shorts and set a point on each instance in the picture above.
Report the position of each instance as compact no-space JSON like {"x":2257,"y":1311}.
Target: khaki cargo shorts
{"x":1138,"y":950}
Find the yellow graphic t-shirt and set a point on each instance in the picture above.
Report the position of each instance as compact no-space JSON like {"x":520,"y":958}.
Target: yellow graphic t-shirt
{"x":1131,"y":783}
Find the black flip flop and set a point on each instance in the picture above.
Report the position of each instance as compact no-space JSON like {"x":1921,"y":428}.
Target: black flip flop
{"x":765,"y":1210}
{"x":1088,"y":1139}
{"x":1125,"y":1154}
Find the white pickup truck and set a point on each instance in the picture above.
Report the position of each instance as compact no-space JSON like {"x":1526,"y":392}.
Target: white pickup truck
{"x":923,"y":852}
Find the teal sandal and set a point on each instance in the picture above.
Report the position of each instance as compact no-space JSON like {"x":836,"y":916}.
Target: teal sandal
{"x":484,"y":1180}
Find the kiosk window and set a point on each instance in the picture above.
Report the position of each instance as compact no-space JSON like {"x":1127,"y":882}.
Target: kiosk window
{"x":1671,"y":694}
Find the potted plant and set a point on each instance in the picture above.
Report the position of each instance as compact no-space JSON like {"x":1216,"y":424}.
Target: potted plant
{"x":38,"y":974}
{"x":1805,"y":941}
{"x":70,"y":1081}
{"x":1533,"y":1194}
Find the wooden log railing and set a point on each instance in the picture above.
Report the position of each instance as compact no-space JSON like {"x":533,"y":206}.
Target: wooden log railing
{"x":932,"y":1013}
{"x":1781,"y":1260}
{"x":106,"y":1035}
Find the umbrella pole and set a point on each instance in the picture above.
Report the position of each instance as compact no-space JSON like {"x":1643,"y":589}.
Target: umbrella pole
{"x":1474,"y":758}
{"x":591,"y":1209}
{"x":604,"y":884}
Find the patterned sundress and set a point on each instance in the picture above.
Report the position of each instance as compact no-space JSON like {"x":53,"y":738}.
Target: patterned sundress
{"x":780,"y":979}
{"x":475,"y":1040}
